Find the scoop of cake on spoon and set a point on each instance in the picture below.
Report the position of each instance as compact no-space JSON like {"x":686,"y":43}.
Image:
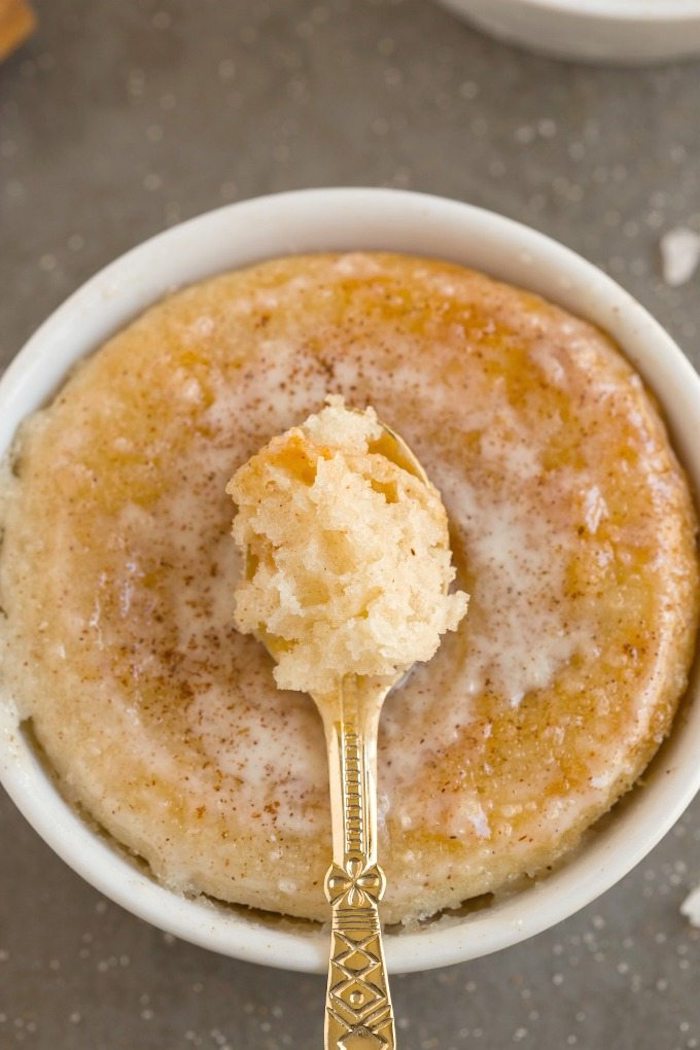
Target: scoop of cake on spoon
{"x":347,"y":575}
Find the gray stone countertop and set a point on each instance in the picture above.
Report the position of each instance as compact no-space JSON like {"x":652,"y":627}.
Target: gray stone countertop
{"x":118,"y":119}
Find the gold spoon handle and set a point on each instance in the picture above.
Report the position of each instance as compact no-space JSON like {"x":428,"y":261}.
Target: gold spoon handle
{"x":359,"y":1014}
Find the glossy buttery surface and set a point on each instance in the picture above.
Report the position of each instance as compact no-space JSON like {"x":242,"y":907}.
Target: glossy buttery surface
{"x":572,"y":529}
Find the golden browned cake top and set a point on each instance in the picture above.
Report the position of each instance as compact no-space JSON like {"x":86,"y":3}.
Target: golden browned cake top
{"x":571,"y":526}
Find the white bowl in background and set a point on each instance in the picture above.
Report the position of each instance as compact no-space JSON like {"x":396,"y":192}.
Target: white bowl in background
{"x":356,"y":219}
{"x":627,"y":32}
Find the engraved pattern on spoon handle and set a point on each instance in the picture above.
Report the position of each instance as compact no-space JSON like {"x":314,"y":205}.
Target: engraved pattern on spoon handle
{"x":359,"y":1014}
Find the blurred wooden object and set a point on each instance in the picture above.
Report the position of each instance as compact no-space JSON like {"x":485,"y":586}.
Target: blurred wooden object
{"x":17,"y":21}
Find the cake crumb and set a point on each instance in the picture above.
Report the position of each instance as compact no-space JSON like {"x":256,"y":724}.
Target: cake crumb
{"x":691,"y":907}
{"x":680,"y":255}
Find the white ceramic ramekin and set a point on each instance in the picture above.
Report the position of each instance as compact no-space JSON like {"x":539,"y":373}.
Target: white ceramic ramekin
{"x":628,"y":32}
{"x":314,"y":220}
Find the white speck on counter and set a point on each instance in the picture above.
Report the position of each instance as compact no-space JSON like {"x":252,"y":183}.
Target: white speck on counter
{"x":691,"y":907}
{"x":228,"y":190}
{"x":14,"y":188}
{"x":136,"y":82}
{"x":680,"y":255}
{"x":524,"y":135}
{"x":546,"y":128}
{"x":469,"y":89}
{"x":227,"y":69}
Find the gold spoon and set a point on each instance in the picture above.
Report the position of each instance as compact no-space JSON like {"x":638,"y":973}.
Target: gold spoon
{"x":359,"y":1014}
